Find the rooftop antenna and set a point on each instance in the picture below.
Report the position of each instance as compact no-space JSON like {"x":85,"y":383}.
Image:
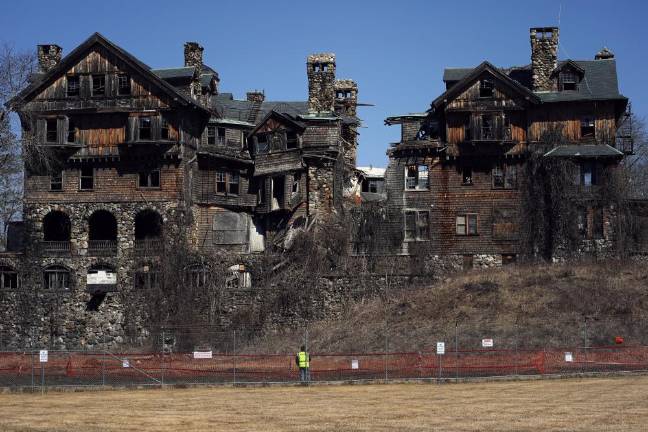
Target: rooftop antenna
{"x":559,"y":44}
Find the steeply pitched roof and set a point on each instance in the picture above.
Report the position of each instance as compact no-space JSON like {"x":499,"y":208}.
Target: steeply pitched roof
{"x":175,"y":73}
{"x":599,"y":80}
{"x":96,"y":38}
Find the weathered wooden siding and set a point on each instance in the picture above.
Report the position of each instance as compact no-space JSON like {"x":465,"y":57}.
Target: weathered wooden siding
{"x":568,"y":116}
{"x":470,"y":100}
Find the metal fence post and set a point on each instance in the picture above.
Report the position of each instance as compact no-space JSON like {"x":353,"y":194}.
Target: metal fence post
{"x":32,"y":369}
{"x":234,"y":353}
{"x":385,"y":356}
{"x":103,"y":362}
{"x":517,"y":354}
{"x":457,"y":350}
{"x":162,"y":359}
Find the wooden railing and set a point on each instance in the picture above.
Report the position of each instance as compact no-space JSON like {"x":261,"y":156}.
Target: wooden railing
{"x":152,"y":246}
{"x":102,"y":247}
{"x":56,"y":246}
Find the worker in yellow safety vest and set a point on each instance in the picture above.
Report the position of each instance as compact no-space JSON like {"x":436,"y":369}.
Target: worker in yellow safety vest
{"x":303,"y":363}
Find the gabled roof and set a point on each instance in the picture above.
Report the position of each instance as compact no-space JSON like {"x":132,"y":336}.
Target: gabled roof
{"x":570,"y":63}
{"x":282,"y":118}
{"x":599,"y":80}
{"x":97,"y":39}
{"x":474,"y":74}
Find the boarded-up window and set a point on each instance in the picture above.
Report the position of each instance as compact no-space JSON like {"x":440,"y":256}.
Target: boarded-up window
{"x":505,"y":224}
{"x":230,"y":228}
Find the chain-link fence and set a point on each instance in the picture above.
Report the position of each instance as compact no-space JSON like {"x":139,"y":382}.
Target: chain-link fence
{"x":455,"y":351}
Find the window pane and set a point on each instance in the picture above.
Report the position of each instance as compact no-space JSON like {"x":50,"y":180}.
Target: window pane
{"x":498,"y":177}
{"x":510,"y":181}
{"x":98,"y":85}
{"x":52,"y":130}
{"x":145,"y":128}
{"x":423,"y":225}
{"x":461,"y":225}
{"x":472,"y":224}
{"x":123,"y":84}
{"x":234,"y":183}
{"x":422,"y":177}
{"x":410,"y":225}
{"x":221,"y":182}
{"x":73,"y":86}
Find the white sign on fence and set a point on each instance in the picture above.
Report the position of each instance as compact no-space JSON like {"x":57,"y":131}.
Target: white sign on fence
{"x":487,"y":343}
{"x":355,"y":364}
{"x":125,"y":363}
{"x":569,"y":357}
{"x":202,"y":354}
{"x":440,"y":348}
{"x":43,"y":356}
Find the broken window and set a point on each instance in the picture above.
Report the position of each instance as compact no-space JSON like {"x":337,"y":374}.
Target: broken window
{"x":261,"y":191}
{"x":221,"y":136}
{"x":73,"y":85}
{"x":292,"y":141}
{"x":230,"y":228}
{"x":51,"y":134}
{"x":487,"y":127}
{"x":56,"y":227}
{"x":86,"y":178}
{"x":467,"y":176}
{"x":588,"y":174}
{"x":278,"y":185}
{"x":277,"y":142}
{"x":568,"y":81}
{"x":123,"y":85}
{"x":211,"y":135}
{"x":8,"y":278}
{"x":262,"y":144}
{"x":417,"y":225}
{"x":98,"y":85}
{"x":581,"y":223}
{"x":147,"y":278}
{"x":71,"y":132}
{"x":296,"y":181}
{"x":416,"y":177}
{"x":504,"y":177}
{"x":149,"y":179}
{"x":148,"y":225}
{"x":506,"y":129}
{"x":164,"y":129}
{"x":466,"y":224}
{"x":587,"y":128}
{"x":56,"y":180}
{"x":227,"y":182}
{"x":196,"y":276}
{"x":597,"y":223}
{"x":373,"y":185}
{"x":144,"y":128}
{"x":486,"y":88}
{"x":56,"y":278}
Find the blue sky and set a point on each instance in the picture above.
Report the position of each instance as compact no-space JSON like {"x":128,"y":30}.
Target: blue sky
{"x":396,"y":51}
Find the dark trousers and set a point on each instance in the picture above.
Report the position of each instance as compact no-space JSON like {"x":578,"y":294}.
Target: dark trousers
{"x":304,"y":374}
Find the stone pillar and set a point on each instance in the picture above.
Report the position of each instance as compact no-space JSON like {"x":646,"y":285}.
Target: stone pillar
{"x":49,"y":55}
{"x":544,"y":57}
{"x":346,"y":97}
{"x":193,"y":55}
{"x":320,"y":69}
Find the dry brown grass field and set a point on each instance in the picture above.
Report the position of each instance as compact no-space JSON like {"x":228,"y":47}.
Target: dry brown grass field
{"x":599,"y":404}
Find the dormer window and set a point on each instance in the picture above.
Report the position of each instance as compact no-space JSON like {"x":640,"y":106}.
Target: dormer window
{"x":486,"y":88}
{"x":568,"y":81}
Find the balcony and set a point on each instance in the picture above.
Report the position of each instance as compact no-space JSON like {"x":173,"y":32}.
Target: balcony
{"x":102,"y":247}
{"x":55,"y":247}
{"x":148,"y":247}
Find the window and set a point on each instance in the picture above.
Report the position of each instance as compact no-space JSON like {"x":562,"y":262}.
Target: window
{"x":588,"y":174}
{"x":98,"y":85}
{"x":86,"y":178}
{"x":486,"y":88}
{"x":196,"y":276}
{"x":146,"y":279}
{"x":597,"y":223}
{"x":145,"y":128}
{"x":8,"y":278}
{"x":504,"y":177}
{"x":71,"y":132}
{"x":581,"y":223}
{"x":417,"y":225}
{"x":467,"y":176}
{"x":487,"y":127}
{"x":211,"y":135}
{"x":296,"y":181}
{"x":291,"y":140}
{"x":56,"y":181}
{"x":57,"y":278}
{"x":262,"y":144}
{"x":416,"y":177}
{"x":164,"y":129}
{"x":506,"y":129}
{"x":373,"y":185}
{"x":587,"y":127}
{"x":221,"y":136}
{"x":73,"y":85}
{"x":51,"y":134}
{"x":149,"y":179}
{"x":227,"y":182}
{"x":568,"y":81}
{"x":466,"y":224}
{"x":123,"y":85}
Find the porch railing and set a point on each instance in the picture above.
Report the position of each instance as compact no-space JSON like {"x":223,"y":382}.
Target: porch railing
{"x":152,"y":246}
{"x":102,"y":247}
{"x":55,"y":246}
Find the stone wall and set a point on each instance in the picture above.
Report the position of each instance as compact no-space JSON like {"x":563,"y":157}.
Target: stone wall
{"x":320,"y":69}
{"x":544,"y":57}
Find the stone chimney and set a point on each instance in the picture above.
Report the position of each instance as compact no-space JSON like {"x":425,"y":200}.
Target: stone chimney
{"x":544,"y":57}
{"x":49,"y":56}
{"x":255,"y":96}
{"x":604,"y":54}
{"x":320,"y":69}
{"x":193,"y":55}
{"x":346,"y":97}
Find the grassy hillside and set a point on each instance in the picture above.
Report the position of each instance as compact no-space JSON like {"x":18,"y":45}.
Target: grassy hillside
{"x":524,"y":306}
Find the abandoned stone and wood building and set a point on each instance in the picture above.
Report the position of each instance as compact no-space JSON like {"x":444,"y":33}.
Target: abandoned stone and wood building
{"x":143,"y":158}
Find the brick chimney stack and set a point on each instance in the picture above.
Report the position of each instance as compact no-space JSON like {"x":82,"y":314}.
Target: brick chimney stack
{"x":320,"y":69}
{"x":193,"y":55}
{"x":544,"y":57}
{"x":49,"y":55}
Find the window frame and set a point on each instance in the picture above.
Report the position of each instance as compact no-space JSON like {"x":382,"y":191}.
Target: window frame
{"x":5,"y":282}
{"x":48,"y":132}
{"x":420,"y":231}
{"x":467,"y":180}
{"x":228,"y":179}
{"x":53,"y":176}
{"x":165,"y":129}
{"x":508,"y":175}
{"x":149,"y":179}
{"x":120,"y":78}
{"x":489,"y":89}
{"x":94,"y":89}
{"x":150,"y":279}
{"x":573,"y":80}
{"x":467,"y":217}
{"x":77,"y":79}
{"x":417,"y":184}
{"x":211,"y":135}
{"x":140,"y":121}
{"x":63,"y":279}
{"x":587,"y":123}
{"x":83,"y":176}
